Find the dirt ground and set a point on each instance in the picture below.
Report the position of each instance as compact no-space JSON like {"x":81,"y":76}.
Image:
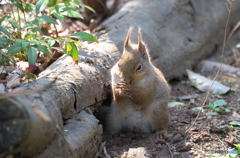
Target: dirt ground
{"x":210,"y":135}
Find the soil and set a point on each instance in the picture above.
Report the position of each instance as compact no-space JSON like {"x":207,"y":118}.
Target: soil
{"x":191,"y":133}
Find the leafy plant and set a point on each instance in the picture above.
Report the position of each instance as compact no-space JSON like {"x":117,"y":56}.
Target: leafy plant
{"x":22,"y":36}
{"x":235,"y":151}
{"x":218,"y":106}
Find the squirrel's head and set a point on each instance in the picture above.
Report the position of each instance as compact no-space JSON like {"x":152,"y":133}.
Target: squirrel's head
{"x":135,"y":62}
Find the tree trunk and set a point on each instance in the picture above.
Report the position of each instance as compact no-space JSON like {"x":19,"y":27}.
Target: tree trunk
{"x":178,"y":34}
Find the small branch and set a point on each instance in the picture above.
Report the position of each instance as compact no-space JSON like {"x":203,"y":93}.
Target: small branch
{"x":169,"y":149}
{"x":105,"y":152}
{"x":23,"y":12}
{"x":13,"y":12}
{"x":56,"y":30}
{"x":19,"y":20}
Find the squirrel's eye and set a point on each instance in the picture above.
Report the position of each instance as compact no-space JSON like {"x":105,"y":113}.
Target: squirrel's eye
{"x":139,"y":67}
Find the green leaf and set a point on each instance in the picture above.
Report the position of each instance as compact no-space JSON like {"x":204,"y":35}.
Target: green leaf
{"x":218,"y":110}
{"x":35,"y":42}
{"x":4,"y":41}
{"x":198,"y":109}
{"x":4,"y":18}
{"x":28,"y":36}
{"x":18,"y":5}
{"x":17,"y":47}
{"x":41,"y":5}
{"x":237,"y":146}
{"x":48,"y":19}
{"x":5,"y":31}
{"x":69,"y":48}
{"x":15,"y":25}
{"x":217,"y":103}
{"x":52,"y":3}
{"x":44,"y":49}
{"x":214,"y":113}
{"x":78,"y":2}
{"x":84,"y":36}
{"x":32,"y":55}
{"x":89,"y":8}
{"x":231,"y":127}
{"x":28,"y":7}
{"x":72,"y":50}
{"x":72,"y":14}
{"x":175,"y":103}
{"x":227,"y":110}
{"x":60,"y":7}
{"x":220,"y":102}
{"x":36,"y":22}
{"x":51,"y":42}
{"x":235,"y":123}
{"x":58,"y":16}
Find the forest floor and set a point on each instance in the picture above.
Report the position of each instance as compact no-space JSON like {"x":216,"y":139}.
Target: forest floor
{"x":192,"y":133}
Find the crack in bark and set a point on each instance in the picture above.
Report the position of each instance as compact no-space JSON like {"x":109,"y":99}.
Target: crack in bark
{"x":73,"y":88}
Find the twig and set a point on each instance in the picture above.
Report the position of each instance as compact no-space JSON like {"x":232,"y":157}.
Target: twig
{"x":220,"y":67}
{"x":105,"y":152}
{"x":23,"y":12}
{"x":13,"y":12}
{"x":55,"y":29}
{"x":19,"y":20}
{"x":103,"y":149}
{"x":224,"y":146}
{"x":100,"y":149}
{"x":169,"y":149}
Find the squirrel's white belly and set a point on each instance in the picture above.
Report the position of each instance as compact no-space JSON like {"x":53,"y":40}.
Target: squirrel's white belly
{"x":135,"y":120}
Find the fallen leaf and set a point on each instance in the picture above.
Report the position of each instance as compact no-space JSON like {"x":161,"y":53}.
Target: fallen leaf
{"x":204,"y":84}
{"x":235,"y":123}
{"x":198,"y":109}
{"x":174,"y":104}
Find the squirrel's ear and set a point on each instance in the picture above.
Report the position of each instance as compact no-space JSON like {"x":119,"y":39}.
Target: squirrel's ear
{"x":141,"y":46}
{"x":127,"y":41}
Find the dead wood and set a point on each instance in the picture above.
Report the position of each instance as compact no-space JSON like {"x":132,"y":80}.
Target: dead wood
{"x":178,"y":33}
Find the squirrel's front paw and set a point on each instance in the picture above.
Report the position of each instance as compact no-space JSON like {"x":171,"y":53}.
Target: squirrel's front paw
{"x":123,"y":89}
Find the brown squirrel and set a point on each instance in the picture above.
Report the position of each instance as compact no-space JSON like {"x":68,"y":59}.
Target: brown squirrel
{"x":140,"y":92}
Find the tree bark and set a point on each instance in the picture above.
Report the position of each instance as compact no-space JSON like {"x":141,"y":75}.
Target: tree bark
{"x":178,"y":34}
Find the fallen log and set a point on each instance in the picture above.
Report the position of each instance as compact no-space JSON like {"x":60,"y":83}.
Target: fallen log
{"x":64,"y":95}
{"x":178,"y":33}
{"x":81,"y":138}
{"x":211,"y":66}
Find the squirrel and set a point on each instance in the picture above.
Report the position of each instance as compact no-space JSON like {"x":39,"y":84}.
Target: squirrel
{"x":140,"y":92}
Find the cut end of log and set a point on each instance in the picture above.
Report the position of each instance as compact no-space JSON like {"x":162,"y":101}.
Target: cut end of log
{"x":14,"y":125}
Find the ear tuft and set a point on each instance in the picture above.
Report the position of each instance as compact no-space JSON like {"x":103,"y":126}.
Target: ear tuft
{"x":141,"y":46}
{"x":127,"y":41}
